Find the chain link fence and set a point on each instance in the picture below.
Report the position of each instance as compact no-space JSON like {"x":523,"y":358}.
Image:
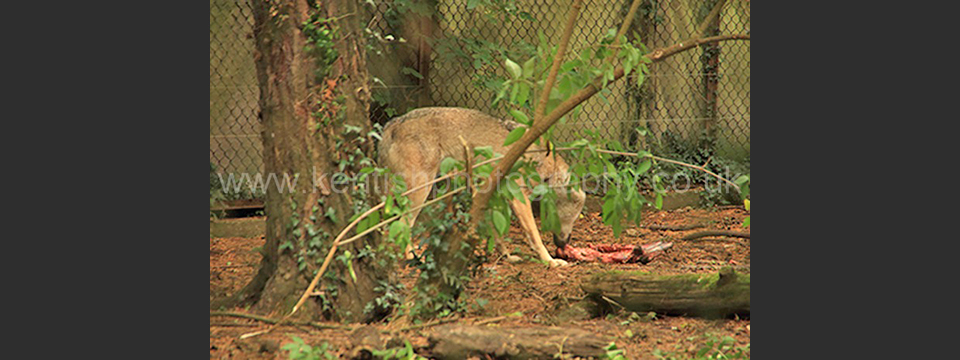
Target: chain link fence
{"x":235,"y":144}
{"x":693,"y":106}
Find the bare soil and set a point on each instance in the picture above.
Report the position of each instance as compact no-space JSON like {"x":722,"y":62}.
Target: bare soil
{"x":540,"y":294}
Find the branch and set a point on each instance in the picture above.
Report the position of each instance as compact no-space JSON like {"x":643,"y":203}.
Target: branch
{"x":557,"y":60}
{"x":701,"y":234}
{"x":395,"y":217}
{"x":675,"y":162}
{"x":275,"y":321}
{"x":661,"y":53}
{"x":626,"y":25}
{"x":714,"y":13}
{"x":674,"y":228}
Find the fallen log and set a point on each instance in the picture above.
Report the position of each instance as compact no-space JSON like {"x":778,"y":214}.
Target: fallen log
{"x":539,"y":342}
{"x":706,"y":295}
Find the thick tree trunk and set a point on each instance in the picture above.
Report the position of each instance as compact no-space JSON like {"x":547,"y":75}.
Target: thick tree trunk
{"x":707,"y":295}
{"x":465,"y":341}
{"x":305,"y":137}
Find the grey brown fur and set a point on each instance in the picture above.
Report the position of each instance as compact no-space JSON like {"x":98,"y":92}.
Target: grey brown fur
{"x":414,"y":144}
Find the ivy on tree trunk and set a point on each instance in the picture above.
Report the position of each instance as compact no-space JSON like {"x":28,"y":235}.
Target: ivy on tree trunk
{"x":314,"y":101}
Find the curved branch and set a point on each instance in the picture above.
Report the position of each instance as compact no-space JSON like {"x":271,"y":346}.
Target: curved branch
{"x":662,"y":53}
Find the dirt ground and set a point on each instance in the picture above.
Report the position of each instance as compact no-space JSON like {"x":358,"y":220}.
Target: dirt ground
{"x":537,"y":292}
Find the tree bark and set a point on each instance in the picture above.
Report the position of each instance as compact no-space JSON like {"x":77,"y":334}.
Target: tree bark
{"x":710,"y":62}
{"x":465,"y":341}
{"x":304,"y":113}
{"x":707,"y":295}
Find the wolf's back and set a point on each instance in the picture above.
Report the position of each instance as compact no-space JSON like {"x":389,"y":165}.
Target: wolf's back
{"x":437,"y":132}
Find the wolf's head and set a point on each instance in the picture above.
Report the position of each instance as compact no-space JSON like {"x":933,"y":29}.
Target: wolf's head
{"x":569,"y":205}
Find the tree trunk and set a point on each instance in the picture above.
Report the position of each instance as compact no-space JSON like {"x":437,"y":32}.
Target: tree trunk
{"x":309,"y":96}
{"x":710,"y":62}
{"x":707,"y":295}
{"x":464,"y":341}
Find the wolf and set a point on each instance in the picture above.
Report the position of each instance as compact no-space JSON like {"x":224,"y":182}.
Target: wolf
{"x":413,"y":145}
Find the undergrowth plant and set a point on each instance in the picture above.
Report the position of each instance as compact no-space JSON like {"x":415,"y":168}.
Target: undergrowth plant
{"x":404,"y":352}
{"x":300,"y":350}
{"x":713,"y":348}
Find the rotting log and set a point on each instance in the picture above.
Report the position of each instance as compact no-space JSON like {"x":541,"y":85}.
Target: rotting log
{"x":721,"y":294}
{"x":538,"y":342}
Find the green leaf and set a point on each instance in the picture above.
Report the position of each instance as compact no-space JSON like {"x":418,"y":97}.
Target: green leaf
{"x":550,"y":221}
{"x":502,"y":92}
{"x":520,"y":116}
{"x":500,"y":222}
{"x":741,"y":180}
{"x":353,"y":275}
{"x":448,"y":164}
{"x":485,"y":151}
{"x":746,"y":221}
{"x":643,"y":167}
{"x":514,"y":135}
{"x":522,"y":94}
{"x":659,"y":201}
{"x":514,"y":190}
{"x":528,"y":67}
{"x":411,"y":71}
{"x":513,"y":68}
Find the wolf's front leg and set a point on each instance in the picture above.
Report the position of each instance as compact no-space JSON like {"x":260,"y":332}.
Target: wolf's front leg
{"x":521,"y":207}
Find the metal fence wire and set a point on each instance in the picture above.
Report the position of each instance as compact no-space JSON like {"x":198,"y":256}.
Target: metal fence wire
{"x":439,"y":53}
{"x":235,"y":144}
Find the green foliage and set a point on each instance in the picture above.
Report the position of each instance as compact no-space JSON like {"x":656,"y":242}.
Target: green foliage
{"x":697,"y":151}
{"x":302,"y":351}
{"x":714,"y":348}
{"x":320,"y":34}
{"x":612,"y":353}
{"x":404,"y":352}
{"x":744,"y":183}
{"x":622,"y":200}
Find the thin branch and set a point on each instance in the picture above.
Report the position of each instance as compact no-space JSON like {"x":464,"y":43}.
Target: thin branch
{"x":658,"y":158}
{"x":674,"y":228}
{"x":468,"y":156}
{"x":557,"y":60}
{"x":714,"y":13}
{"x":491,"y":320}
{"x":276,"y":321}
{"x":660,"y":54}
{"x":626,"y":24}
{"x":707,"y":233}
{"x":395,"y":217}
